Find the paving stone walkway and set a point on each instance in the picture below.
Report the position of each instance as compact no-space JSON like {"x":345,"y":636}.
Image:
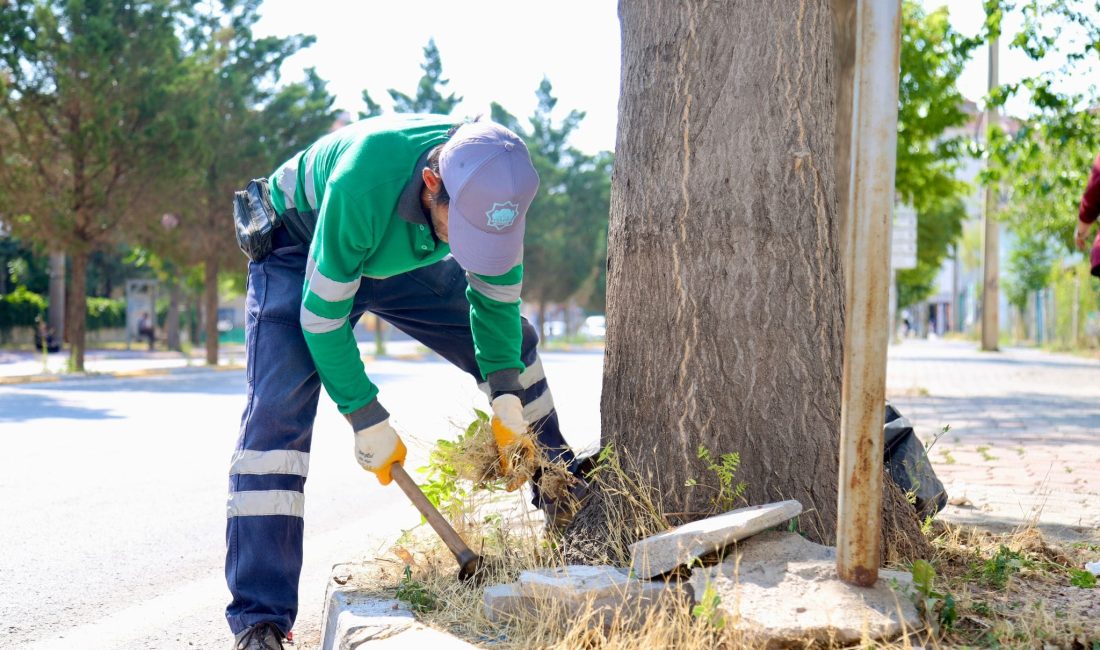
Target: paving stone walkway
{"x":1024,"y":438}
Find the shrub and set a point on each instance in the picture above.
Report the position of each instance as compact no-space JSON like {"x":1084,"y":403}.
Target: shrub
{"x":20,"y":307}
{"x":106,"y":312}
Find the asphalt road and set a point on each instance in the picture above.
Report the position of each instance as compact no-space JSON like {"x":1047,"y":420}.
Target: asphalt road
{"x":112,"y":497}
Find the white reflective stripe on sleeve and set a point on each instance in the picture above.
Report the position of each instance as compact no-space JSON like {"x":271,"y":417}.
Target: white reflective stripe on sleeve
{"x":331,"y":290}
{"x":539,"y":407}
{"x":258,"y":503}
{"x":277,"y":461}
{"x":315,"y":324}
{"x":530,"y":376}
{"x":497,"y":292}
{"x":288,"y":179}
{"x":311,"y":192}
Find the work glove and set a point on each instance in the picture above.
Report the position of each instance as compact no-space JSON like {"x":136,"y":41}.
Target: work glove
{"x":378,"y":448}
{"x":513,"y":443}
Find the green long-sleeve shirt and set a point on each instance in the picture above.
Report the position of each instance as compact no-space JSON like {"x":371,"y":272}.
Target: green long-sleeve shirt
{"x":360,"y":186}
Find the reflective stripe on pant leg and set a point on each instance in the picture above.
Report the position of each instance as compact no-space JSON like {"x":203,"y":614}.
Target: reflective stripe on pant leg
{"x":260,"y":502}
{"x":267,"y":473}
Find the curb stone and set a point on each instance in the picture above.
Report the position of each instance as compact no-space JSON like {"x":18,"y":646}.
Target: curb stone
{"x":355,"y":620}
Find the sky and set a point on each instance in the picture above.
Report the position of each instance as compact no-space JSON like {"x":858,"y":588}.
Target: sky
{"x":492,"y":50}
{"x":499,"y":50}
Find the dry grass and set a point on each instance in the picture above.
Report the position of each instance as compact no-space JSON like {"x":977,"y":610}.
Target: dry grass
{"x":1009,"y":591}
{"x":1013,"y":590}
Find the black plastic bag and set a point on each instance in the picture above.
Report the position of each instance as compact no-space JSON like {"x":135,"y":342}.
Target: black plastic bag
{"x":908,"y":465}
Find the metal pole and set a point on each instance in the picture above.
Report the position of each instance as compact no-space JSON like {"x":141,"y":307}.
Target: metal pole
{"x":867,"y":280}
{"x":991,"y":255}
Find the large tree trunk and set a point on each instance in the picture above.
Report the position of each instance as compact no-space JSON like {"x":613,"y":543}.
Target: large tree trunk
{"x":844,"y":65}
{"x":544,"y":331}
{"x":725,"y":289}
{"x":56,"y":317}
{"x":76,"y":310}
{"x":210,"y":310}
{"x":172,"y":320}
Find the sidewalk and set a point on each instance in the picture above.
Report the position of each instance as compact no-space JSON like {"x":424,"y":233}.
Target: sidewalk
{"x":1023,"y":437}
{"x":19,"y":367}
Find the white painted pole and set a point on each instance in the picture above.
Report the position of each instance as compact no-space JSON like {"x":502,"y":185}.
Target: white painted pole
{"x":867,"y":281}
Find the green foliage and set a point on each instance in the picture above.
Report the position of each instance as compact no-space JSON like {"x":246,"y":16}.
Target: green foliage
{"x":724,"y":469}
{"x":1029,"y":266}
{"x":934,"y":605}
{"x":419,"y":598}
{"x":565,"y":246}
{"x":706,"y":609}
{"x":429,"y":97}
{"x":1044,"y":165}
{"x":105,"y":312}
{"x":930,"y":108}
{"x":89,"y":110}
{"x":20,"y":308}
{"x":443,"y":486}
{"x":18,"y":270}
{"x":1081,"y":578}
{"x":1005,"y":562}
{"x":30,"y":266}
{"x":939,"y":228}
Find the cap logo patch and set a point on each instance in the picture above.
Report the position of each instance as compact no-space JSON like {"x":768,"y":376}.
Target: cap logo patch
{"x":502,"y":215}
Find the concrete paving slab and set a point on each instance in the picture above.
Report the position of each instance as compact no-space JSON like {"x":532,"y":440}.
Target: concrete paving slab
{"x":631,"y":605}
{"x":778,"y":598}
{"x":574,"y":582}
{"x":664,"y":552}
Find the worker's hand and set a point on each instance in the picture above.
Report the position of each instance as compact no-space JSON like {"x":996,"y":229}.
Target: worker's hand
{"x":378,"y":448}
{"x":1082,"y":235}
{"x":513,"y":444}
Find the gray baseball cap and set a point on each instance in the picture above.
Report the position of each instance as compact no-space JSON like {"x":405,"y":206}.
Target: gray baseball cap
{"x":488,"y":173}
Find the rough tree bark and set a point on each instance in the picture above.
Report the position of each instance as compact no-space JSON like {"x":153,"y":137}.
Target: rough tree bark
{"x":76,"y":309}
{"x":210,"y":309}
{"x":725,"y":292}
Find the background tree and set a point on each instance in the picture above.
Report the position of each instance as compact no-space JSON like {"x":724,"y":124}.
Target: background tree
{"x":90,"y":90}
{"x":565,"y":241}
{"x":725,"y":290}
{"x":429,"y":97}
{"x":930,"y":109}
{"x":1043,"y":167}
{"x":244,"y":127}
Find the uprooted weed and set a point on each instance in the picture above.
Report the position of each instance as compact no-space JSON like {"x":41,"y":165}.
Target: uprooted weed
{"x":474,"y":457}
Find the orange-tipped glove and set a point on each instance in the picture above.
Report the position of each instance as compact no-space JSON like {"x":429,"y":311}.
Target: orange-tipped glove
{"x":513,"y":445}
{"x":378,"y":448}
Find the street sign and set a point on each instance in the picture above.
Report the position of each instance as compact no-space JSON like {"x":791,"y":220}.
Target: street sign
{"x":903,"y":244}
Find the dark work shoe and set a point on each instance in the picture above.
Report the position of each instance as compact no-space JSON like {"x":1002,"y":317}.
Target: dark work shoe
{"x":560,"y":512}
{"x":262,"y":636}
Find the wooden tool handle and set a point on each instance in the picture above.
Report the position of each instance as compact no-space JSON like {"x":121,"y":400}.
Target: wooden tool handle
{"x":438,"y":523}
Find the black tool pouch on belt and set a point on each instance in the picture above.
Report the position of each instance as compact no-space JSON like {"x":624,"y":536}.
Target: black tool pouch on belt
{"x":254,"y":217}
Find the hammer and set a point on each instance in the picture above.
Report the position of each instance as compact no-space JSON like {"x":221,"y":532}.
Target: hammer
{"x":470,"y":564}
